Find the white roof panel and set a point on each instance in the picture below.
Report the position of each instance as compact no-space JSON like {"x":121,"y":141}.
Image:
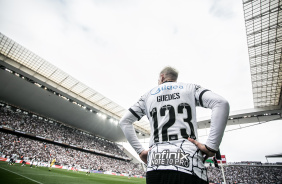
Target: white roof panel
{"x":263,"y":20}
{"x":42,"y":69}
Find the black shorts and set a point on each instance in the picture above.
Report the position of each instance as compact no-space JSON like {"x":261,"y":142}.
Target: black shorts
{"x":172,"y":177}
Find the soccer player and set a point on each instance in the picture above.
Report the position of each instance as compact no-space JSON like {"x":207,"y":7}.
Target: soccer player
{"x":32,"y":162}
{"x":89,"y":170}
{"x":52,"y":163}
{"x":175,"y":155}
{"x":37,"y":162}
{"x":70,"y":167}
{"x":13,"y":159}
{"x":23,"y":163}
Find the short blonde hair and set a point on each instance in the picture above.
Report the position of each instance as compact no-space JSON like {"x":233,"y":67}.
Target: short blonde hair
{"x":170,"y":73}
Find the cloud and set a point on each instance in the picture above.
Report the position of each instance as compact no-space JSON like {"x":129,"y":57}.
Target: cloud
{"x":222,"y":9}
{"x":132,"y":41}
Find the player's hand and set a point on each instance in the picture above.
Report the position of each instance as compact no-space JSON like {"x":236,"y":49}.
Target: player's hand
{"x":202,"y":147}
{"x":143,"y":155}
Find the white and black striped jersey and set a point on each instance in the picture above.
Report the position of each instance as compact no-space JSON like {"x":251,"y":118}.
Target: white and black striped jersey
{"x":171,"y":111}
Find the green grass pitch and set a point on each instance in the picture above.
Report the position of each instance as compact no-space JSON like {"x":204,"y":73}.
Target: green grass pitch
{"x":17,"y":174}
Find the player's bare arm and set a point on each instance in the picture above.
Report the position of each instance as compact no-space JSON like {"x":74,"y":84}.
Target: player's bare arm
{"x":143,"y":156}
{"x":207,"y":153}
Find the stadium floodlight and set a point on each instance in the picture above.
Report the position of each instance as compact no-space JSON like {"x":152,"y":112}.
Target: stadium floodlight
{"x":114,"y":121}
{"x":104,"y":116}
{"x":37,"y":84}
{"x":8,"y":70}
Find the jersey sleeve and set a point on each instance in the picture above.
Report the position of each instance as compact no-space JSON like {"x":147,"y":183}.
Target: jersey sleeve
{"x":199,"y":92}
{"x":134,"y":113}
{"x":138,"y":109}
{"x":126,"y":125}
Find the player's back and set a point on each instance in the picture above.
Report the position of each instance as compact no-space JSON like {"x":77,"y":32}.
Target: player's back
{"x":171,"y":111}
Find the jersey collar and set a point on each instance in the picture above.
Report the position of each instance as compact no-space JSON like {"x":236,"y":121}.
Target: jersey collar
{"x":167,"y":81}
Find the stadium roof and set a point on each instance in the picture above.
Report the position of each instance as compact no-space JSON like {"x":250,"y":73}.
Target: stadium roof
{"x":274,"y":156}
{"x":263,"y":20}
{"x":48,"y":73}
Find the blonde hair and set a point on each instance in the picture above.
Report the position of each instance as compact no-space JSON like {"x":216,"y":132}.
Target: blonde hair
{"x":170,"y":73}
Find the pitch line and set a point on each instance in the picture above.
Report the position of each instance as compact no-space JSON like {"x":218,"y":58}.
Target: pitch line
{"x":22,"y":176}
{"x":53,"y":174}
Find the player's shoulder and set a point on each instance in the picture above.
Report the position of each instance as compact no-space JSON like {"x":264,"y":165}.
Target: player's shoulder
{"x":170,"y":86}
{"x":192,"y":86}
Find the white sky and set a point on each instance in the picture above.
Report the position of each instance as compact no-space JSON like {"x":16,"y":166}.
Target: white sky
{"x":119,"y":47}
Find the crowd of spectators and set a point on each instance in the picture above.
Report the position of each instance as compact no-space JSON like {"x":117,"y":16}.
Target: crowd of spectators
{"x":29,"y":148}
{"x":35,"y":125}
{"x":253,"y":163}
{"x":246,"y":174}
{"x":38,"y":126}
{"x":44,"y":152}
